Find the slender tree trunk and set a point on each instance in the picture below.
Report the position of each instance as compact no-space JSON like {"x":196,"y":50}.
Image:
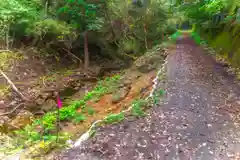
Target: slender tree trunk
{"x":145,"y":36}
{"x":7,"y":37}
{"x":46,"y":8}
{"x":162,"y":35}
{"x":86,"y":53}
{"x":210,"y":27}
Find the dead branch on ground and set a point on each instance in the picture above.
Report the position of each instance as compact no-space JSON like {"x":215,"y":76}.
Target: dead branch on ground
{"x":73,"y":55}
{"x":14,"y":109}
{"x":5,"y":51}
{"x":13,"y":85}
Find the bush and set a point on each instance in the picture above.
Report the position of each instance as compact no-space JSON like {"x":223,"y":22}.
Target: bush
{"x":112,"y":23}
{"x":49,"y":27}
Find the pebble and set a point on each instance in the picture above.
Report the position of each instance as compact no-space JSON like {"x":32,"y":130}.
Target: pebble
{"x":230,"y":155}
{"x":209,"y":125}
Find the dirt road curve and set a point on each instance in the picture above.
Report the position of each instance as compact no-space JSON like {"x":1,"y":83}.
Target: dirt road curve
{"x":196,"y":122}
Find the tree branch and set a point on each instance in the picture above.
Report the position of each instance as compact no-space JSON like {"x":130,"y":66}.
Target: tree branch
{"x":13,"y":86}
{"x":5,"y":51}
{"x":73,"y":55}
{"x":14,"y":109}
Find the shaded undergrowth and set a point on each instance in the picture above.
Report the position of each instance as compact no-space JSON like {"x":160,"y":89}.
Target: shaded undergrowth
{"x":45,"y":128}
{"x":42,"y":133}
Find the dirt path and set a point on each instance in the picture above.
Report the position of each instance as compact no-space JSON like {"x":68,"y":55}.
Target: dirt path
{"x":195,"y":123}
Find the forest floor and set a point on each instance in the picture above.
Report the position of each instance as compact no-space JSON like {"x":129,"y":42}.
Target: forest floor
{"x":38,"y":77}
{"x":199,"y":118}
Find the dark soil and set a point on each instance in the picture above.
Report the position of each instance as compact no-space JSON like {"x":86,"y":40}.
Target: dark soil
{"x":197,"y":121}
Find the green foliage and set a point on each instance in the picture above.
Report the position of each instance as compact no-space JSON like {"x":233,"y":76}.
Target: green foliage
{"x":175,"y":35}
{"x":129,"y":45}
{"x":49,"y":120}
{"x":89,"y":110}
{"x":157,"y":95}
{"x":15,"y":14}
{"x":114,"y":25}
{"x":129,"y":26}
{"x":103,"y":87}
{"x":49,"y":26}
{"x":114,"y":118}
{"x":161,"y":92}
{"x":69,"y":113}
{"x":214,"y":7}
{"x":223,"y":40}
{"x":83,"y":15}
{"x":208,"y":17}
{"x":79,"y":118}
{"x":196,"y":37}
{"x":137,"y":107}
{"x":203,"y":11}
{"x":28,"y":133}
{"x":170,"y":29}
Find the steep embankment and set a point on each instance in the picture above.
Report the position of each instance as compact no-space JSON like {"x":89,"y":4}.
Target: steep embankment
{"x":226,"y":43}
{"x":197,"y":121}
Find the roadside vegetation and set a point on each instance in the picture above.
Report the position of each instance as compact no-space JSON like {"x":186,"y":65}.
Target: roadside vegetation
{"x":99,"y":56}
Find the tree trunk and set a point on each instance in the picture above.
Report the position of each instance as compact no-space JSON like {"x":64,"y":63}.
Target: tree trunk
{"x":7,"y":37}
{"x":145,"y":36}
{"x":46,"y":9}
{"x":86,"y":53}
{"x":163,"y":36}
